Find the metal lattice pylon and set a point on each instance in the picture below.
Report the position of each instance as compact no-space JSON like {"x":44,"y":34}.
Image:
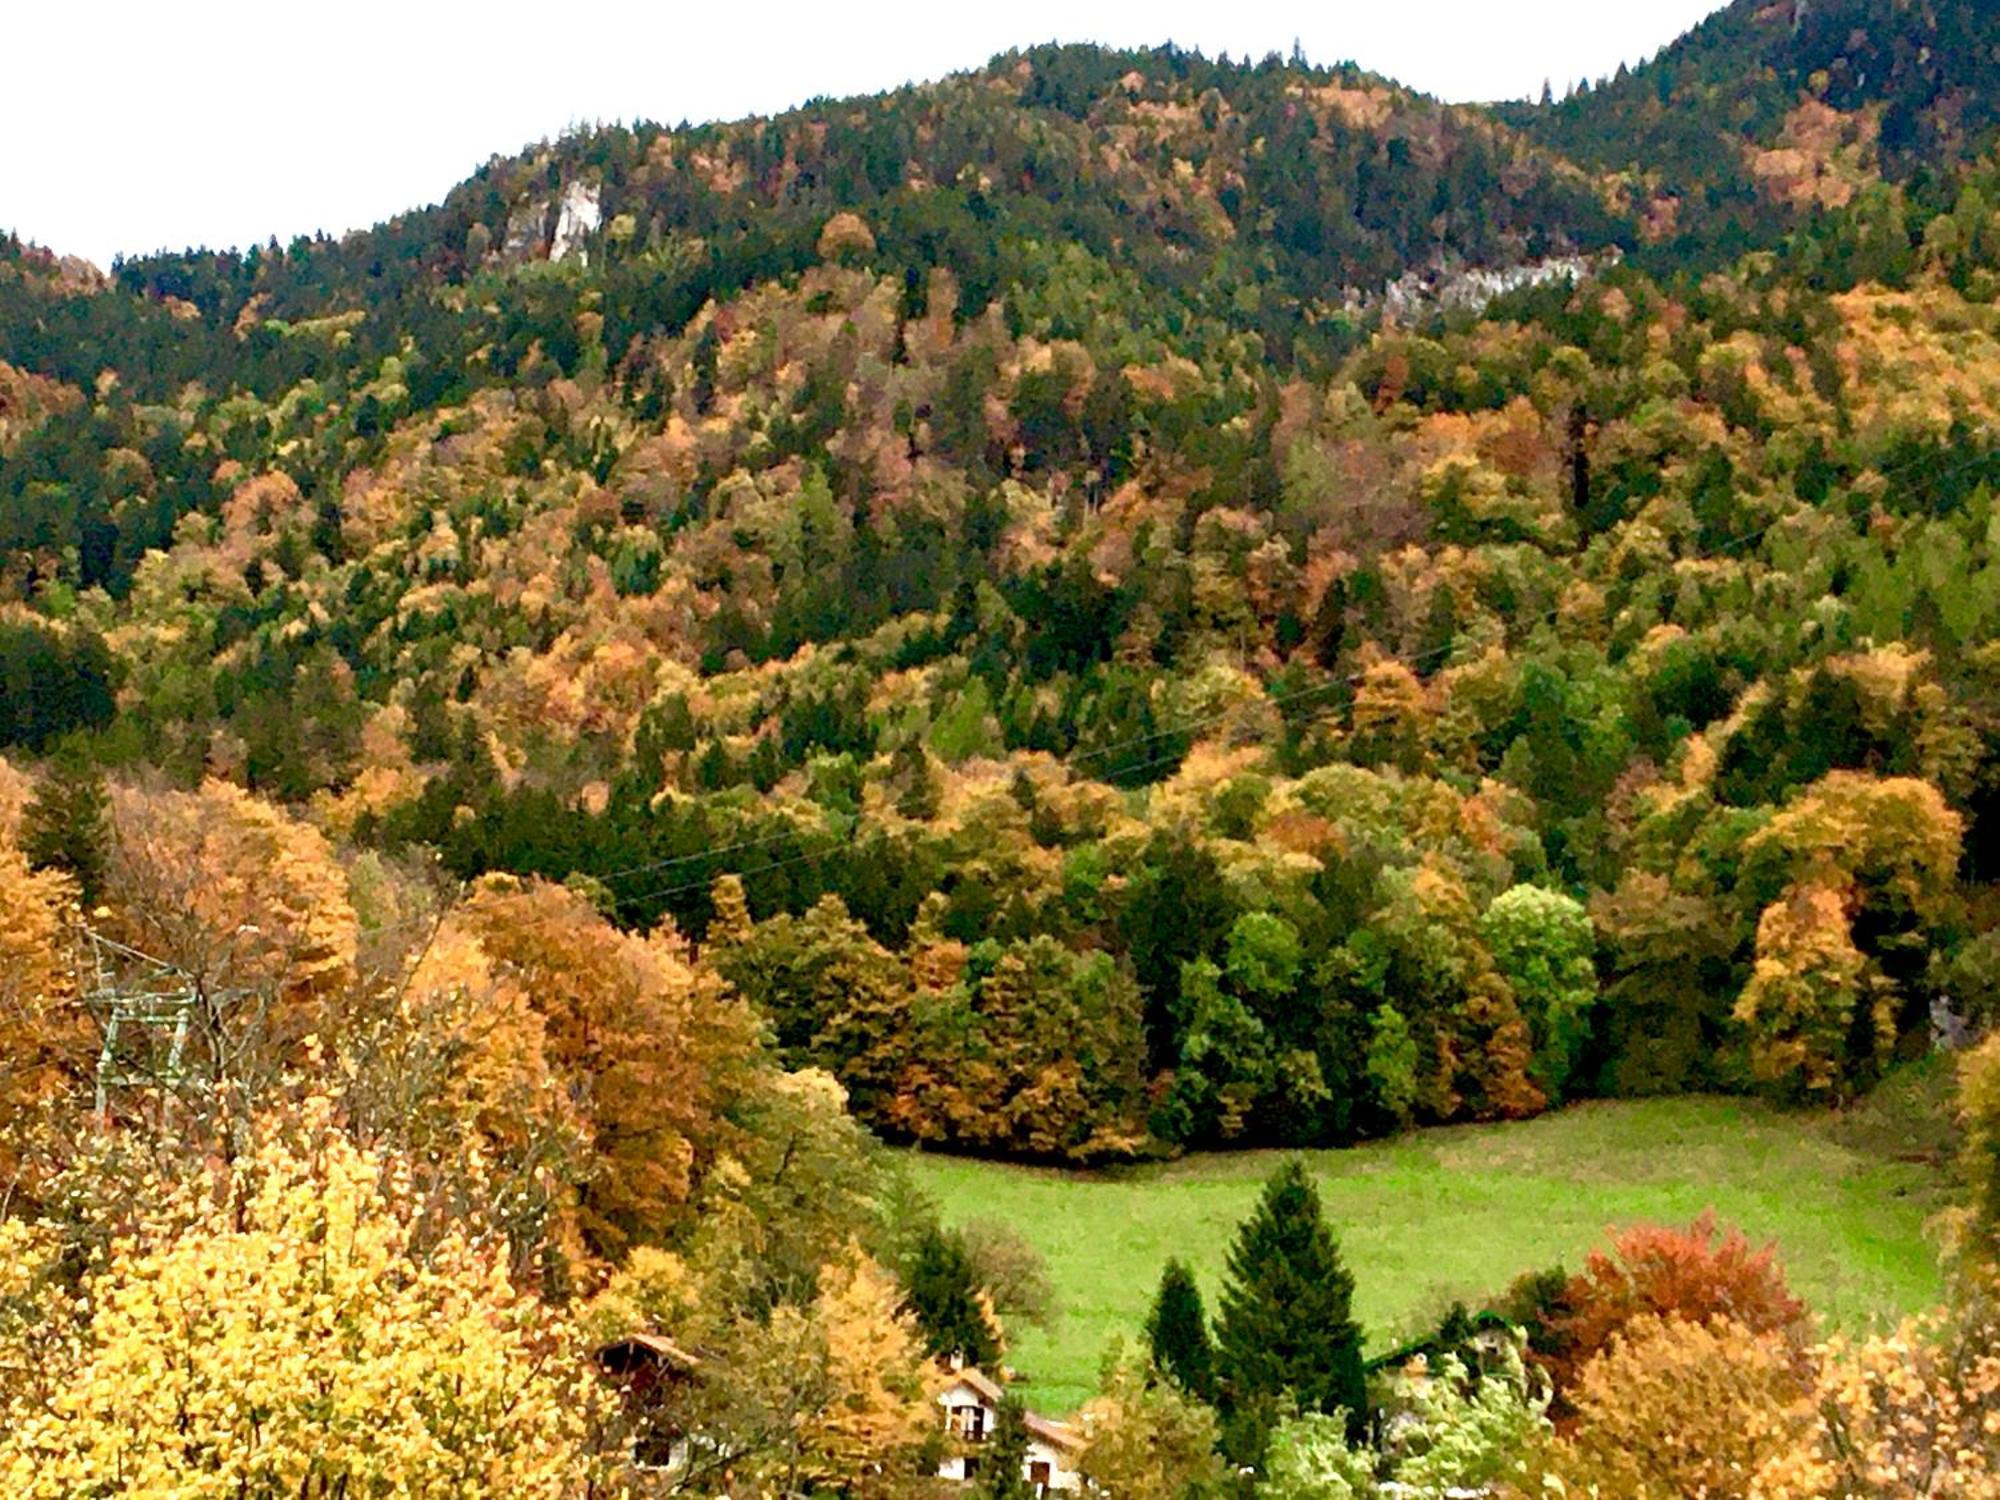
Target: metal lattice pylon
{"x":148,"y":1006}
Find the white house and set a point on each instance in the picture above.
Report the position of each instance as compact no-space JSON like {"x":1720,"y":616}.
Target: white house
{"x":971,"y":1405}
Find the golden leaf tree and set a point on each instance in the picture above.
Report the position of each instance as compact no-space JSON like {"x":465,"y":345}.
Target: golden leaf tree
{"x":248,"y":909}
{"x":450,"y":1067}
{"x":1859,"y":853}
{"x":46,"y":1041}
{"x":230,"y":889}
{"x":1909,"y":1415}
{"x":1809,"y":978}
{"x":290,"y":1331}
{"x":1675,"y":1408}
{"x":649,"y":1048}
{"x":1979,"y":1097}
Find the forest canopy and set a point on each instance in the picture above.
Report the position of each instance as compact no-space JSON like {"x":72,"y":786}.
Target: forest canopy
{"x":1113,"y":604}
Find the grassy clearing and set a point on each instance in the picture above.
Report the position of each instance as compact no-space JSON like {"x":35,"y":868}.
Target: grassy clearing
{"x":1458,"y":1212}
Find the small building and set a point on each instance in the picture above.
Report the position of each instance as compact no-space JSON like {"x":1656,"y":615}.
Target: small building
{"x":971,"y":1406}
{"x":651,"y":1373}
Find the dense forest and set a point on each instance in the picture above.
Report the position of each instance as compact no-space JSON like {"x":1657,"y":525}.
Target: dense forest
{"x":1113,"y":604}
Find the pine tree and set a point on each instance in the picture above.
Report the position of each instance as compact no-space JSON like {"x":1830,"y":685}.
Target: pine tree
{"x":1177,"y":1332}
{"x":1003,"y":1462}
{"x":942,"y":1292}
{"x":1286,"y":1326}
{"x":66,"y":824}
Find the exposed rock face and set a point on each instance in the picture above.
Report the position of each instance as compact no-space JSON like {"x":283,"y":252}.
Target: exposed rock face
{"x":1473,"y":287}
{"x":577,"y":219}
{"x":550,"y":227}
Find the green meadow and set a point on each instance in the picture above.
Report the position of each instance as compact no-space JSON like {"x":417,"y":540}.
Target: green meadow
{"x":1456,"y":1213}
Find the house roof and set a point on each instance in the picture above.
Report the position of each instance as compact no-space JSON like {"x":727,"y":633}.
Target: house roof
{"x":982,"y":1384}
{"x":1482,"y":1322}
{"x":987,"y":1389}
{"x":637,"y":1346}
{"x":1056,"y":1434}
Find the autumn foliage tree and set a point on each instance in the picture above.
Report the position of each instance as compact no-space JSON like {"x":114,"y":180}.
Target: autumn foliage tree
{"x":1909,"y":1413}
{"x":1673,"y":1407}
{"x":647,"y":1049}
{"x":1692,"y":1274}
{"x":235,"y":892}
{"x":1872,"y":863}
{"x":827,"y":1394}
{"x":1979,"y":1096}
{"x":296,"y":1328}
{"x":1810,"y":980}
{"x":1148,"y":1437}
{"x":49,"y":1042}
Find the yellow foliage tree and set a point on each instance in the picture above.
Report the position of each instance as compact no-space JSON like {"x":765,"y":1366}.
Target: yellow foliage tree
{"x":1674,"y":1409}
{"x":46,"y":1041}
{"x":1911,"y":1416}
{"x":649,"y":1047}
{"x":1148,"y":1436}
{"x":285,"y":1333}
{"x":1979,"y":1099}
{"x":873,"y":1356}
{"x":451,"y":1068}
{"x":1892,"y":833}
{"x":815,"y":1396}
{"x":1802,"y":994}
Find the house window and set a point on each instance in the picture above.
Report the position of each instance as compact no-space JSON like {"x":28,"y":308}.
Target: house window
{"x":968,"y":1422}
{"x":1039,"y":1476}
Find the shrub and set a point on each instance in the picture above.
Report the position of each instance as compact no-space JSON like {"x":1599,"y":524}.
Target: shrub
{"x":1674,"y":1408}
{"x":1693,"y":1274}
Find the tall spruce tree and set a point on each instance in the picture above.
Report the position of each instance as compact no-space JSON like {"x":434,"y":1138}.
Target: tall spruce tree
{"x":941,"y":1291}
{"x":1003,"y":1461}
{"x":66,"y":824}
{"x":1177,"y":1332}
{"x":1286,"y":1327}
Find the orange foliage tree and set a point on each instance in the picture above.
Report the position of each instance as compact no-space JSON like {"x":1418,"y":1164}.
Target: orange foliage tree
{"x":1673,"y":1408}
{"x":46,"y":1040}
{"x":648,"y":1047}
{"x":1693,"y":1274}
{"x":230,"y":889}
{"x":1908,"y":1416}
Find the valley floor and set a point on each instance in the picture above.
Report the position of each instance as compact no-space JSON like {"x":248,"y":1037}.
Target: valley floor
{"x":1458,"y":1212}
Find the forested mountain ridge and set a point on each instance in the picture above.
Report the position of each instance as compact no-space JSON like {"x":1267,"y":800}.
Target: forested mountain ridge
{"x":1109,"y":606}
{"x":1116,"y":685}
{"x":1775,"y":108}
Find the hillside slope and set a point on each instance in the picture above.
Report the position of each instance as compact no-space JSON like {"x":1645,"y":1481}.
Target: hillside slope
{"x":1772,"y":109}
{"x":1099,"y":682}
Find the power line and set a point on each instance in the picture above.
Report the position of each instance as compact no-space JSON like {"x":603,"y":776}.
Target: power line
{"x":1417,"y":662}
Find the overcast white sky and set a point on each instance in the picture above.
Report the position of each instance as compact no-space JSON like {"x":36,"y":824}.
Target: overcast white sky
{"x":133,"y":126}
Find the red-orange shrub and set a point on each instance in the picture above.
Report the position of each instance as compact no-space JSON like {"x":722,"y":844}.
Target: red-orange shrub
{"x":1693,"y":1274}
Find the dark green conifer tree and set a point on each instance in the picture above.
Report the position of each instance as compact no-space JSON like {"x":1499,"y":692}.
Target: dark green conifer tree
{"x":1286,"y":1327}
{"x":941,"y":1291}
{"x":1177,"y":1333}
{"x":66,"y":824}
{"x":1003,"y":1460}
